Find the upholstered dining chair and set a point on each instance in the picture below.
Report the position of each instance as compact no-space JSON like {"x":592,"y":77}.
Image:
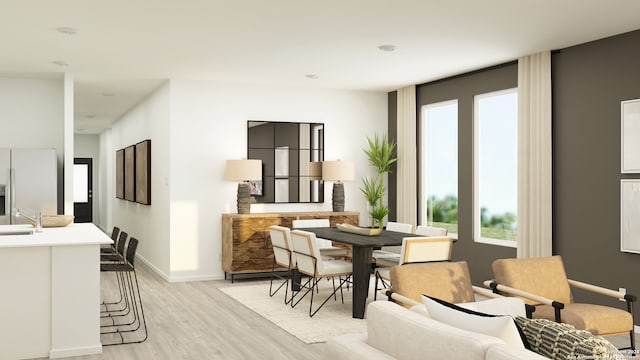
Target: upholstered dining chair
{"x":385,"y":251}
{"x":310,"y":263}
{"x":414,"y":250}
{"x":543,"y":283}
{"x":283,"y":258}
{"x":431,"y":230}
{"x":325,"y":246}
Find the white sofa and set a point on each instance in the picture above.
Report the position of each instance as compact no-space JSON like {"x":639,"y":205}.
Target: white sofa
{"x":394,"y":332}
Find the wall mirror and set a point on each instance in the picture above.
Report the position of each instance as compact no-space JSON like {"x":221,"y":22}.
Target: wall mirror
{"x":291,"y":155}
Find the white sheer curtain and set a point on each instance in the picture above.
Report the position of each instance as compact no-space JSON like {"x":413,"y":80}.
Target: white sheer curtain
{"x":406,"y":202}
{"x":534,"y":155}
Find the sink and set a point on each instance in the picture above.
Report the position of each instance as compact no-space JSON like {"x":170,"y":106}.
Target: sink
{"x":16,"y":230}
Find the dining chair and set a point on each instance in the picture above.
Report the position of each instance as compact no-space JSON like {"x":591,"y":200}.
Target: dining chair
{"x":283,"y":257}
{"x":310,"y":263}
{"x":398,"y":227}
{"x":325,"y":246}
{"x":431,"y":230}
{"x":131,"y":289}
{"x":414,"y":250}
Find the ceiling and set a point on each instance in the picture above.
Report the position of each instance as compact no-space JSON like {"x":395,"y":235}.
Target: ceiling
{"x":124,"y":49}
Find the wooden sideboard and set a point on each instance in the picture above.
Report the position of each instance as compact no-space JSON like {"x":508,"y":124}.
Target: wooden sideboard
{"x":246,"y":247}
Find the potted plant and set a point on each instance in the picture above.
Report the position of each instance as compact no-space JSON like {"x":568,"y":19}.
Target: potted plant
{"x":381,"y":154}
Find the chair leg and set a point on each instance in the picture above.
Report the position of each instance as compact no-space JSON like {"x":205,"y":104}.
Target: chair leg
{"x":138,"y":313}
{"x":125,"y":310}
{"x":341,"y":283}
{"x":284,"y":283}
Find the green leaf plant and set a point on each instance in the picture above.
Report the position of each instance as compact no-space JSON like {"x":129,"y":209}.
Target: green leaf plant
{"x":381,"y":154}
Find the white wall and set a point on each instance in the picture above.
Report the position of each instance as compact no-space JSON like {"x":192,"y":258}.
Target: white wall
{"x":106,"y":185}
{"x":195,"y":126}
{"x":32,"y":116}
{"x":88,"y":146}
{"x":148,"y":223}
{"x":209,"y":126}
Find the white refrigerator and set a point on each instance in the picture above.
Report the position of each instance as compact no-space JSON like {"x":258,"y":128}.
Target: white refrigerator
{"x":28,"y":182}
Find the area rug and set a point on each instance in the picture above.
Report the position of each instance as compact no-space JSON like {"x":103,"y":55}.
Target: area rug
{"x":333,"y":319}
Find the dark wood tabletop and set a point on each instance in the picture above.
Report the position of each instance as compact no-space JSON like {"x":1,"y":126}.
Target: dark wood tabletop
{"x":385,"y":238}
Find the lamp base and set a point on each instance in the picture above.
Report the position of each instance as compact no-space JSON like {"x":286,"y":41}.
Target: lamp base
{"x":244,"y":199}
{"x":338,"y":196}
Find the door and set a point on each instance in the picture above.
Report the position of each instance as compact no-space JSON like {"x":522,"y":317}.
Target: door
{"x":82,"y":190}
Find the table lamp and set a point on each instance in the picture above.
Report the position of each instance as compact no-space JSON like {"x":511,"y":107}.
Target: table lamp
{"x":338,"y":171}
{"x":244,"y":171}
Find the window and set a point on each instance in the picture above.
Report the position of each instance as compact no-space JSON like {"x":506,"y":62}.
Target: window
{"x":496,"y":167}
{"x":439,"y":178}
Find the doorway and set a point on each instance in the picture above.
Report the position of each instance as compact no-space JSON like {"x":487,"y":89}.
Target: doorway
{"x":83,"y":190}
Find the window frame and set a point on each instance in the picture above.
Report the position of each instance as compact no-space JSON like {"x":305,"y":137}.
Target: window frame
{"x":422,"y":208}
{"x":476,"y":171}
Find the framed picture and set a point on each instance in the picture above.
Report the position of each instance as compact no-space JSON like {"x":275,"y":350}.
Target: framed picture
{"x":630,"y":136}
{"x":120,"y":174}
{"x":630,"y":215}
{"x":143,"y":172}
{"x":129,"y":173}
{"x":255,"y":188}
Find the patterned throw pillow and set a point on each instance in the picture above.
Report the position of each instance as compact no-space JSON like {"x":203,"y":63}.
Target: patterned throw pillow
{"x":563,"y":341}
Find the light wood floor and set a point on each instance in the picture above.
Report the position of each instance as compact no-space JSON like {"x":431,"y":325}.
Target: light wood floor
{"x":195,"y":320}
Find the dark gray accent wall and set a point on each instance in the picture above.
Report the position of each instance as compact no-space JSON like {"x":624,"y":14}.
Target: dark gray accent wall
{"x":393,"y":135}
{"x":463,"y":88}
{"x":589,"y":82}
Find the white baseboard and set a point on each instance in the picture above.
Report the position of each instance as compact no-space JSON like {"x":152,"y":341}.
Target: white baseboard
{"x":184,"y":278}
{"x":153,"y":267}
{"x":86,"y":350}
{"x":636,"y":328}
{"x":178,"y":278}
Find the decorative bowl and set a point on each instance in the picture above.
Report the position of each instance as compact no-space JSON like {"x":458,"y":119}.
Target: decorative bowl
{"x":54,"y":220}
{"x":358,"y":230}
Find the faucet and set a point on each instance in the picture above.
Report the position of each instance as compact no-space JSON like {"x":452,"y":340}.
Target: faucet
{"x":37,"y":220}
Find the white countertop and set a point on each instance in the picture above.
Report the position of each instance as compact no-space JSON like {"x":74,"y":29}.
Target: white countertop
{"x":72,"y":234}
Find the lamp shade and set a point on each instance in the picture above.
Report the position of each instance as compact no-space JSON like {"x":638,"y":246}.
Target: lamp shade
{"x":244,"y":170}
{"x":315,"y":170}
{"x":338,"y":170}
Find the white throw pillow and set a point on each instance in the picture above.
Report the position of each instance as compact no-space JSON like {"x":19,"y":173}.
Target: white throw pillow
{"x":511,"y":306}
{"x":502,"y":327}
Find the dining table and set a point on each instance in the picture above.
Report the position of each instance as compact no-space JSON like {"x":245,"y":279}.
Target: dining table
{"x":361,"y":257}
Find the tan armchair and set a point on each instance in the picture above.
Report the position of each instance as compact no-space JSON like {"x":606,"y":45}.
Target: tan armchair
{"x":543,"y":283}
{"x":448,"y":281}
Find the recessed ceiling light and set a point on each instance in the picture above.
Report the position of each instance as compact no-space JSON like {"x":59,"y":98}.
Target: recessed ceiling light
{"x":67,"y":30}
{"x":108,"y":94}
{"x":387,"y":47}
{"x":60,"y":63}
{"x":91,"y":116}
{"x":312,"y":76}
{"x":80,"y":129}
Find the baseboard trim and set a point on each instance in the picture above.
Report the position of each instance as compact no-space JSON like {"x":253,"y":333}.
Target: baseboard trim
{"x":178,"y":278}
{"x":185,"y":278}
{"x":154,"y":268}
{"x":77,"y":351}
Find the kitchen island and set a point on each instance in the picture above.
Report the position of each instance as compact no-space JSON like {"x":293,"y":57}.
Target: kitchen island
{"x":50,"y":281}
